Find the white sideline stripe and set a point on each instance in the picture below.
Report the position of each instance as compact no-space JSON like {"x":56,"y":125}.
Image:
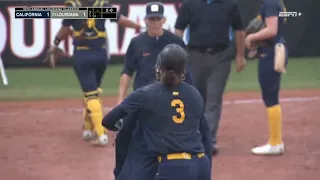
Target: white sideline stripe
{"x":69,"y":110}
{"x":257,"y":101}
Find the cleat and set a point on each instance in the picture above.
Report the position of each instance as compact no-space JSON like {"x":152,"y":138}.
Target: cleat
{"x":269,"y":150}
{"x":88,"y":135}
{"x":101,"y":140}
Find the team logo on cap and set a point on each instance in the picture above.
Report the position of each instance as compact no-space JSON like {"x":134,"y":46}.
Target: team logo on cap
{"x":154,"y":8}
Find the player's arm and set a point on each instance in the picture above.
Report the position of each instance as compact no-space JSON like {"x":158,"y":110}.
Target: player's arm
{"x":65,"y":29}
{"x":183,"y":19}
{"x":63,"y":32}
{"x":271,"y":21}
{"x":125,"y":22}
{"x":130,"y":105}
{"x":238,"y":26}
{"x":129,"y":67}
{"x":206,"y":137}
{"x":204,"y":128}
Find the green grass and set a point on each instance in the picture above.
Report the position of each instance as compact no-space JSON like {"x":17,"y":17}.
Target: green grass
{"x":302,"y":73}
{"x":35,"y":84}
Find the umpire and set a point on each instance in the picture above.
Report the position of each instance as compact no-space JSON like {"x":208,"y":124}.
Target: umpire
{"x":211,"y":50}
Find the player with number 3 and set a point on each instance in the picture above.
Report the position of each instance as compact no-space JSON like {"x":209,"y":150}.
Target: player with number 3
{"x":170,"y":113}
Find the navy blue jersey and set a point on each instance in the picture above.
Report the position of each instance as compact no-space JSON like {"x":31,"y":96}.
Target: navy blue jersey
{"x":87,"y":33}
{"x":270,"y":8}
{"x":169,"y":119}
{"x":141,"y":57}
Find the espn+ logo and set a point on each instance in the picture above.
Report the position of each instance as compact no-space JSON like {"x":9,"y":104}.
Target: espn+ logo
{"x":290,"y":14}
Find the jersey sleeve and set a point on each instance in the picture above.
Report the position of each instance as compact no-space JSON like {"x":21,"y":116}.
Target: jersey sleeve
{"x":130,"y":105}
{"x":236,"y":18}
{"x":130,"y":60}
{"x":183,"y":18}
{"x":271,"y":8}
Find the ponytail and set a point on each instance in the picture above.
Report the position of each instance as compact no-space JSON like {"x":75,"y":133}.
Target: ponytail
{"x":170,"y":79}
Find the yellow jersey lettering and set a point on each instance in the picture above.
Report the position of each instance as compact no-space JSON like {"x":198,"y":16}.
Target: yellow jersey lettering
{"x":179,"y":105}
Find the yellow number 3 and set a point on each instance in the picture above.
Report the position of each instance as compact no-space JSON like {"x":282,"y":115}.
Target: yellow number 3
{"x":178,"y":104}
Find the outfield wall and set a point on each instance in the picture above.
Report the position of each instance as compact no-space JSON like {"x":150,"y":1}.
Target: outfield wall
{"x":24,"y":42}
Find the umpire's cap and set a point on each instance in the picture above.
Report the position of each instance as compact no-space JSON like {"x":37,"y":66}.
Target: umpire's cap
{"x":173,"y":58}
{"x":154,"y":9}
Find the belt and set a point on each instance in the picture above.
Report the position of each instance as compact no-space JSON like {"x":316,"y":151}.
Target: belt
{"x":208,"y":50}
{"x":176,"y":156}
{"x":100,"y":34}
{"x":87,"y":47}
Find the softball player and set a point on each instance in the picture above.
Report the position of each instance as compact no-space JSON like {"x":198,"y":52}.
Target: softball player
{"x":269,"y":75}
{"x":141,"y":58}
{"x":90,"y":62}
{"x":170,"y":113}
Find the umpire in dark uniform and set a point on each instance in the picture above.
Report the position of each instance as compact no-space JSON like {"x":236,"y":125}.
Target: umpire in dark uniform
{"x":211,"y":50}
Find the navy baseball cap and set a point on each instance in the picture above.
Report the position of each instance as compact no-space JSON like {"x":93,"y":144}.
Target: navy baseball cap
{"x":154,"y":9}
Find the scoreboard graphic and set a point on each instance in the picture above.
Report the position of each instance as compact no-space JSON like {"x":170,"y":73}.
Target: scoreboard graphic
{"x":65,"y":13}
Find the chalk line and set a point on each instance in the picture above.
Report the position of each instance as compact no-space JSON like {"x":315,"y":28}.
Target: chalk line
{"x":79,"y":110}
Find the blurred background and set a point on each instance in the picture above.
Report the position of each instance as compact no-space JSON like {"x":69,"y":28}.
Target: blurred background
{"x":23,"y":44}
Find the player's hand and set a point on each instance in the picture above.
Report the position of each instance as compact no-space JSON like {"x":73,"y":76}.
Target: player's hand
{"x":252,"y":54}
{"x":50,"y":58}
{"x":249,"y":43}
{"x":240,"y":63}
{"x":53,"y":55}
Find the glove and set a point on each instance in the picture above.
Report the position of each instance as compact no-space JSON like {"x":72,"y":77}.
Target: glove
{"x":254,"y":26}
{"x":53,"y":55}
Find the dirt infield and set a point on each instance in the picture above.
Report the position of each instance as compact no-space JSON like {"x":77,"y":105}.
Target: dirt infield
{"x":42,"y":140}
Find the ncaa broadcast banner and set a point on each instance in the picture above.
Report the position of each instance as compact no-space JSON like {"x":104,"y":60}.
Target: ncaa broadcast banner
{"x":25,"y":42}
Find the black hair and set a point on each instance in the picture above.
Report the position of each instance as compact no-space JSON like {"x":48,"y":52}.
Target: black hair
{"x":172,"y":62}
